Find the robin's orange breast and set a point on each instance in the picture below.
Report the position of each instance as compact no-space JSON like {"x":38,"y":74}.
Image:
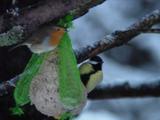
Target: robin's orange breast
{"x":56,"y":36}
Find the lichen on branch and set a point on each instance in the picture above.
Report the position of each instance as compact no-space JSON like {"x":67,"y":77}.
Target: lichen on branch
{"x":12,"y":36}
{"x":43,"y":12}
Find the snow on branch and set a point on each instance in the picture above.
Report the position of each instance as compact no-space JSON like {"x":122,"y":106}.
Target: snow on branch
{"x":121,"y":37}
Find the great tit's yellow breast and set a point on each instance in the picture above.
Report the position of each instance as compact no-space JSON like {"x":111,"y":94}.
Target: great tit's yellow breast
{"x":94,"y":80}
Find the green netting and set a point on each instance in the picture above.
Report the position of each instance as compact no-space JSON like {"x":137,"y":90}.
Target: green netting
{"x":22,"y":87}
{"x":70,"y":85}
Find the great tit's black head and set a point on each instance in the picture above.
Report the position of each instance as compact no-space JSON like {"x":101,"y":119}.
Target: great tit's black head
{"x":96,"y":60}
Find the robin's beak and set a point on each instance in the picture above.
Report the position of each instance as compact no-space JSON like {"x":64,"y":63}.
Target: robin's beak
{"x":65,"y":30}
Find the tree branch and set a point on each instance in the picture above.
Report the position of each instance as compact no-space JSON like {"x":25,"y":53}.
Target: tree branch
{"x":7,"y":86}
{"x":45,"y":11}
{"x":123,"y":90}
{"x":154,"y":30}
{"x":126,"y":90}
{"x":115,"y":39}
{"x":119,"y":38}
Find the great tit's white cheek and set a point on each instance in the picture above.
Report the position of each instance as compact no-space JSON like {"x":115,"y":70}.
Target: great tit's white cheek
{"x":93,"y":62}
{"x":86,"y":68}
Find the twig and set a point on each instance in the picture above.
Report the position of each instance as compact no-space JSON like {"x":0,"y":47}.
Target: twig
{"x":7,"y":86}
{"x":119,"y":38}
{"x":126,"y":90}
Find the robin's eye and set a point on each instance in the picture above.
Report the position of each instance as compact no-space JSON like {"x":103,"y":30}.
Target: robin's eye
{"x":58,"y":29}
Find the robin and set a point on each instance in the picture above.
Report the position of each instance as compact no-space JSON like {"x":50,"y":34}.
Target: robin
{"x":44,"y":40}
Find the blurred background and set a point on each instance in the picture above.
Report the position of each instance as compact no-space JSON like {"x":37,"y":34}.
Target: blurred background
{"x":136,"y":62}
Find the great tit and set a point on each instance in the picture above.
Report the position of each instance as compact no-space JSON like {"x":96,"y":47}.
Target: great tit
{"x":91,"y":73}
